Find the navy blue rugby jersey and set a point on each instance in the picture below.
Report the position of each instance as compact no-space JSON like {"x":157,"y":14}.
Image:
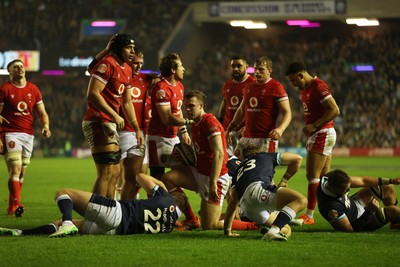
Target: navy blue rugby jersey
{"x":257,"y":167}
{"x":156,"y":214}
{"x":334,"y":208}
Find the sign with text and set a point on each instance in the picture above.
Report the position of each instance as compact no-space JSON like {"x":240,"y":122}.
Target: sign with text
{"x":276,"y":8}
{"x":31,"y":58}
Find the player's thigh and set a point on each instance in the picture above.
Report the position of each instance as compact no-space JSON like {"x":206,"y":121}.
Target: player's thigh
{"x":314,"y":164}
{"x":181,"y":176}
{"x":288,"y":197}
{"x":210,"y":215}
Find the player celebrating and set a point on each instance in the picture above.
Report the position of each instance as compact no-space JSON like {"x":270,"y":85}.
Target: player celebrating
{"x":19,"y":99}
{"x":110,"y":89}
{"x":320,"y":109}
{"x":232,"y":95}
{"x":104,"y":216}
{"x":262,"y":103}
{"x":253,"y":188}
{"x":361,"y":211}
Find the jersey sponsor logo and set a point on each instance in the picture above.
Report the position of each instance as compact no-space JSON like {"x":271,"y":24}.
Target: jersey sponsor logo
{"x":121,"y":88}
{"x":171,"y":208}
{"x":102,"y":68}
{"x":234,"y":100}
{"x":135,"y":92}
{"x":264,"y":198}
{"x":11,"y":144}
{"x":22,"y":107}
{"x":253,"y":102}
{"x":160,"y":94}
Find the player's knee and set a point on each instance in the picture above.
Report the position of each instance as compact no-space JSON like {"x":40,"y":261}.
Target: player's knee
{"x":302,"y":202}
{"x":60,"y":192}
{"x":13,"y":158}
{"x":107,"y":157}
{"x":25,"y":162}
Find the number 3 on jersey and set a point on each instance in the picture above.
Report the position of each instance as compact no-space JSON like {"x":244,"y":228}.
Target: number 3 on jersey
{"x":251,"y":164}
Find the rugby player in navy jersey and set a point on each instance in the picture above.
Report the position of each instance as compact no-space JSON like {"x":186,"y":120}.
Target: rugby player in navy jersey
{"x":361,"y":211}
{"x":104,"y":216}
{"x":254,"y":190}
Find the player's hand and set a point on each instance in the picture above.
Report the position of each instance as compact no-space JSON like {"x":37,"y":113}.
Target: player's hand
{"x":1,"y":148}
{"x":228,"y":137}
{"x":46,"y":132}
{"x":3,"y":120}
{"x":233,"y":234}
{"x":275,"y":134}
{"x":308,"y":129}
{"x":282,"y":184}
{"x":186,"y":138}
{"x":396,"y":180}
{"x":140,"y":138}
{"x":110,"y":42}
{"x":119,"y":121}
{"x":213,"y":192}
{"x":372,"y":205}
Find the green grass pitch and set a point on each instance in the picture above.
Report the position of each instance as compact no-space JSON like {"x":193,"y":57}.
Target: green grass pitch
{"x":312,"y":245}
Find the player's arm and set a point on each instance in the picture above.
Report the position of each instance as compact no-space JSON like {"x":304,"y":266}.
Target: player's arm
{"x":93,"y":95}
{"x":293,"y":163}
{"x":286,"y":112}
{"x":215,"y":142}
{"x":344,"y":225}
{"x":237,"y":119}
{"x":230,"y":213}
{"x":331,"y":111}
{"x":221,"y":112}
{"x":148,"y":182}
{"x":43,"y":119}
{"x":168,"y":119}
{"x":368,"y":181}
{"x":130,"y":115}
{"x":101,"y":54}
{"x":2,"y":119}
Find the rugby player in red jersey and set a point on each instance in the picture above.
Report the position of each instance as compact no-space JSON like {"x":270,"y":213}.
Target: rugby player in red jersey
{"x":19,"y":99}
{"x":232,"y":95}
{"x":110,"y":90}
{"x":320,"y":109}
{"x":262,"y":103}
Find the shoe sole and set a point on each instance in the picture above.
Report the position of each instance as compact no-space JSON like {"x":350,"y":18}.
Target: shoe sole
{"x":19,"y":211}
{"x":63,"y":235}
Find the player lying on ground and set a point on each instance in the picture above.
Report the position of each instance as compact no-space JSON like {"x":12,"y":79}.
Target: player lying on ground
{"x":104,"y":216}
{"x":361,"y":211}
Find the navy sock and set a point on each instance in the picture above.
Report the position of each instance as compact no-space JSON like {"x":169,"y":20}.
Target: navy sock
{"x":41,"y":230}
{"x":65,"y":205}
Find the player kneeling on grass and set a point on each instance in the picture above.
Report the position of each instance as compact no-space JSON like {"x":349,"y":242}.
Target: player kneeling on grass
{"x":104,"y":216}
{"x":361,"y":211}
{"x":253,"y":189}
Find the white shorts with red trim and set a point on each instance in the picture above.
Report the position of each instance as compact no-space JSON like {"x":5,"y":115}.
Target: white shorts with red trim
{"x":322,"y":142}
{"x":203,"y":183}
{"x":160,"y":150}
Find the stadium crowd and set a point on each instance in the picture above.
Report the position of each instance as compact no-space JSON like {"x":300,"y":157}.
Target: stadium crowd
{"x":369,"y":101}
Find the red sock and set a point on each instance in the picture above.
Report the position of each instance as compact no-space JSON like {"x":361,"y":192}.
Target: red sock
{"x":311,"y":196}
{"x":241,"y":225}
{"x":15,"y":192}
